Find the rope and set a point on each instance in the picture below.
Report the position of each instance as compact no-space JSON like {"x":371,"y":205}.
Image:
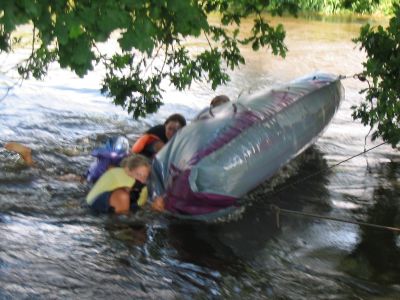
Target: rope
{"x":326,"y":169}
{"x":359,"y":76}
{"x":279,"y":210}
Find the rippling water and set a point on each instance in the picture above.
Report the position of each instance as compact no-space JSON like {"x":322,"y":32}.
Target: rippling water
{"x":51,"y":246}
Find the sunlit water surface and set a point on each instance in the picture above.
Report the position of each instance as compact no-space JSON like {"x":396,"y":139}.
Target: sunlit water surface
{"x":51,"y":246}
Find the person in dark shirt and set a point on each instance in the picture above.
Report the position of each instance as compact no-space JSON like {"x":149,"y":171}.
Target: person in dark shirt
{"x":157,"y":136}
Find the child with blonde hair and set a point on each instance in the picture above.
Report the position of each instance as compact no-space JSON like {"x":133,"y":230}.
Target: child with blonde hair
{"x":121,"y":189}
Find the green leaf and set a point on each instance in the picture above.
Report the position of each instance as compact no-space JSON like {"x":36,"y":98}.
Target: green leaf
{"x":75,"y":30}
{"x":139,"y":36}
{"x":382,"y":68}
{"x":76,"y":26}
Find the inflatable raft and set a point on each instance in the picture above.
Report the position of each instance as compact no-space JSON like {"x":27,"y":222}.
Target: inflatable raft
{"x":219,"y":158}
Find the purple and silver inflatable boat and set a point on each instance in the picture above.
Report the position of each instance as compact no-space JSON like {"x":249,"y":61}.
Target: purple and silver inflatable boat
{"x":218,"y":159}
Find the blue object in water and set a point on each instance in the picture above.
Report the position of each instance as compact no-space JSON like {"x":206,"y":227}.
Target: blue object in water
{"x":115,"y":149}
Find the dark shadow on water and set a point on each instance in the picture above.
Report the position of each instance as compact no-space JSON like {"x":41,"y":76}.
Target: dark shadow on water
{"x":133,"y":234}
{"x":201,"y":245}
{"x":377,"y":257}
{"x":300,"y":185}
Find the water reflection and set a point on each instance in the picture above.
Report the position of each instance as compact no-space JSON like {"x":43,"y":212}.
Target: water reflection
{"x":377,"y":256}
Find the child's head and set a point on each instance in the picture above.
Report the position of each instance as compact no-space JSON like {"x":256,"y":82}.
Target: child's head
{"x":173,"y":124}
{"x":137,"y":166}
{"x":218,"y":100}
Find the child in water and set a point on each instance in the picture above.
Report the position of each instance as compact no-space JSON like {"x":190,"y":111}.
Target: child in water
{"x":207,"y":112}
{"x":121,"y":189}
{"x":156,"y":137}
{"x":219,"y":100}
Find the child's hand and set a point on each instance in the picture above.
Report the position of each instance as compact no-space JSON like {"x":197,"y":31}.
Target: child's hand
{"x":158,"y":204}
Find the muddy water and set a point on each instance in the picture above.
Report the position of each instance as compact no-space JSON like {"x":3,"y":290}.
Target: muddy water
{"x":51,"y":246}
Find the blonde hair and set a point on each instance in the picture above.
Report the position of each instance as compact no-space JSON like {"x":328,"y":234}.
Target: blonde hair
{"x":134,"y":161}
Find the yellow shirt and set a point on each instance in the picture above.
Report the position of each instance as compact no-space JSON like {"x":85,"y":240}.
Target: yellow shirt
{"x":111,"y":180}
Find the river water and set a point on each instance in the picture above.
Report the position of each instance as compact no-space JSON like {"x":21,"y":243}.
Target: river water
{"x":51,"y":246}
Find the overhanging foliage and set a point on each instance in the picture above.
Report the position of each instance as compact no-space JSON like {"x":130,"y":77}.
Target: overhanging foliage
{"x":381,"y":108}
{"x":152,"y":41}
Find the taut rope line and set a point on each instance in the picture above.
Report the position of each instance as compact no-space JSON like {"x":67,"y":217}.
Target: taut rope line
{"x":279,"y":210}
{"x":326,"y":169}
